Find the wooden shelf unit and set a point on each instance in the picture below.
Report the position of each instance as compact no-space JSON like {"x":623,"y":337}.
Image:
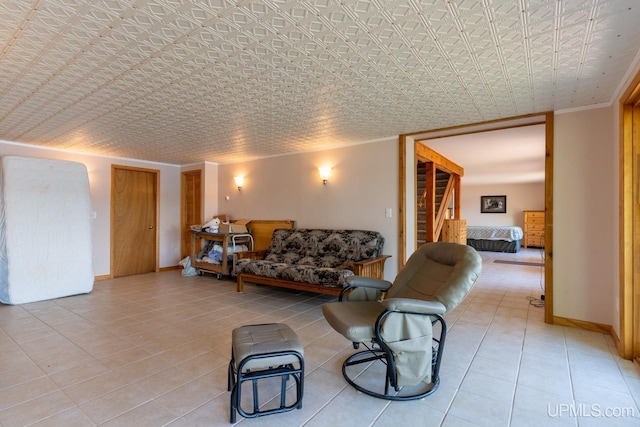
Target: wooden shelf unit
{"x":534,"y":228}
{"x":454,"y":230}
{"x":225,"y":268}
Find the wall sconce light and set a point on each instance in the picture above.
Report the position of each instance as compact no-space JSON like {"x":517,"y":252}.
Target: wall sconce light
{"x":325,"y":173}
{"x":239,"y":180}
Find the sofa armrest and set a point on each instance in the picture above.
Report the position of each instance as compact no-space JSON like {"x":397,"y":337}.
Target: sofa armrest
{"x":372,"y":267}
{"x":251,"y":254}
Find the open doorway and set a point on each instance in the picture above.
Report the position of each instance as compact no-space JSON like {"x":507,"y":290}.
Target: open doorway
{"x":408,"y":187}
{"x":507,"y":162}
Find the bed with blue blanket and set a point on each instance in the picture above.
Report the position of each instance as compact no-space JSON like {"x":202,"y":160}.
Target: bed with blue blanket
{"x":494,"y":238}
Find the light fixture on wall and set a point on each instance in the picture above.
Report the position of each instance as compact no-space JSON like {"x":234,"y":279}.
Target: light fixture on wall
{"x":239,"y":180}
{"x":325,"y":173}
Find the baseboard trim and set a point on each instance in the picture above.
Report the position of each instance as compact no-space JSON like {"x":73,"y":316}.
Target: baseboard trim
{"x":589,"y":326}
{"x":107,"y":276}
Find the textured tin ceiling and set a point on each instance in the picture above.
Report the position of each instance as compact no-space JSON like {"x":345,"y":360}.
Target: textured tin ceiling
{"x":180,"y":81}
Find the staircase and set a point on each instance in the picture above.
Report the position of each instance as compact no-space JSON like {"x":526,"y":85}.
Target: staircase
{"x":436,"y":212}
{"x":421,"y":214}
{"x":442,"y":180}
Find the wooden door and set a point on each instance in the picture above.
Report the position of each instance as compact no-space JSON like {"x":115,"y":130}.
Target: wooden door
{"x":191,"y":207}
{"x":133,"y":220}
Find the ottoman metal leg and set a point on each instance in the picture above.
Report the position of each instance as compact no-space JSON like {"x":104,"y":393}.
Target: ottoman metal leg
{"x":250,"y":361}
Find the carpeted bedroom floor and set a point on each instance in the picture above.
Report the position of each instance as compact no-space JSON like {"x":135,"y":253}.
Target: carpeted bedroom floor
{"x":152,"y":350}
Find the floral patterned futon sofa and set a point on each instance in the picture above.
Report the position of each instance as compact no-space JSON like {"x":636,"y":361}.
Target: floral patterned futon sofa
{"x":316,"y":260}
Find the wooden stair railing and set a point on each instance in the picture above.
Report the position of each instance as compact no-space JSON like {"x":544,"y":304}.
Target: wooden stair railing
{"x":432,"y":205}
{"x":446,"y":199}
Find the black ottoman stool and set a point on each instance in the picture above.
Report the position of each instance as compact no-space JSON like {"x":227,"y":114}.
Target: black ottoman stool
{"x":264,"y":351}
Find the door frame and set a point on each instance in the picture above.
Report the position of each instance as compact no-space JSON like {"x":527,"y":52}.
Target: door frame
{"x":629,"y":340}
{"x":407,"y":206}
{"x":156,"y":183}
{"x":183,"y":207}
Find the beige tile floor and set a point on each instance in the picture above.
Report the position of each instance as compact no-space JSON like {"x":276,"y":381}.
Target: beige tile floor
{"x":152,"y":350}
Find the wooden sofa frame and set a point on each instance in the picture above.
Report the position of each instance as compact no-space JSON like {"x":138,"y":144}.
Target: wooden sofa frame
{"x":372,"y":267}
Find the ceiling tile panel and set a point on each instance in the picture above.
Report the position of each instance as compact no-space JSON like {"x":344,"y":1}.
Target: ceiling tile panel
{"x":183,"y":81}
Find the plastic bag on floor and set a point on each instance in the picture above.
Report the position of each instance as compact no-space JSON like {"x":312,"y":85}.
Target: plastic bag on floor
{"x":187,"y":268}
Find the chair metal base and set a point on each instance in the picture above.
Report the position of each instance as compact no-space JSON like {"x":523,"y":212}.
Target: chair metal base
{"x":238,"y":376}
{"x":387,"y":391}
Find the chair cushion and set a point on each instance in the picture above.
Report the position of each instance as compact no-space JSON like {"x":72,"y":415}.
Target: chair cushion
{"x":251,"y":340}
{"x":354,"y":320}
{"x":440,"y":271}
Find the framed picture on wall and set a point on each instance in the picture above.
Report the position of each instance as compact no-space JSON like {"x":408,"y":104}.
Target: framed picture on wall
{"x":493,"y":204}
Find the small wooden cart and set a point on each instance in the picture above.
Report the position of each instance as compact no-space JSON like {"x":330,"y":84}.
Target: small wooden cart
{"x":225,"y":268}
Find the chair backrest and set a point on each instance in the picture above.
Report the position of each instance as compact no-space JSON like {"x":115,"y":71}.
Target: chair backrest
{"x":438,"y":271}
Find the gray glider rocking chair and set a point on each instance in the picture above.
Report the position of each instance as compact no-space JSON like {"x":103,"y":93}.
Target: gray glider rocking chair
{"x":406,"y":329}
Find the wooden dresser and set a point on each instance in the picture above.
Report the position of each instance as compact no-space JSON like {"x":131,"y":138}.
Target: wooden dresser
{"x":533,"y":229}
{"x":454,"y":230}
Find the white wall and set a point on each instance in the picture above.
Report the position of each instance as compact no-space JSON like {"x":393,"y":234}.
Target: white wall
{"x":363,"y":184}
{"x":585,"y":235}
{"x":99,"y":168}
{"x":520,"y":197}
